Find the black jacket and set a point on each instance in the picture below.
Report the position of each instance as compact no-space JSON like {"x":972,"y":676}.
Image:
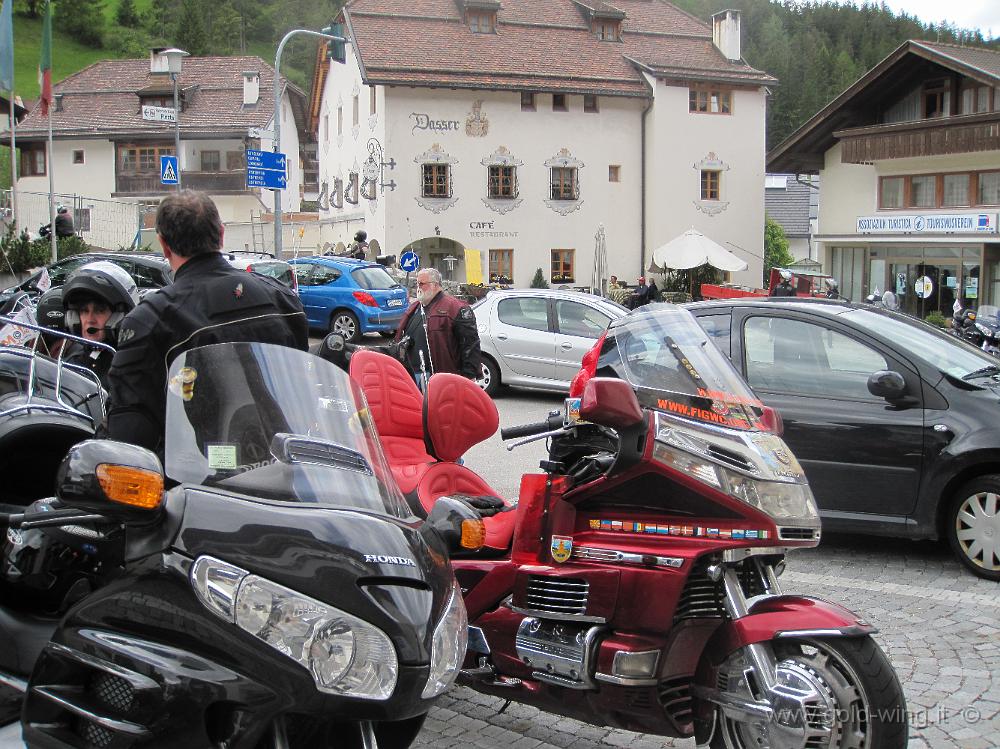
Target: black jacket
{"x":209,"y":301}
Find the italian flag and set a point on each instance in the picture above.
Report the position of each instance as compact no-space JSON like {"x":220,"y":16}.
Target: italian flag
{"x":45,"y":64}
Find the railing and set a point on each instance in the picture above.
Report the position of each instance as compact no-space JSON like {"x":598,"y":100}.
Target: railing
{"x":149,"y":183}
{"x":937,"y":137}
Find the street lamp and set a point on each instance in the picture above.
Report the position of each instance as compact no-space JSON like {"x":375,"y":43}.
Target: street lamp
{"x":175,"y":60}
{"x":334,"y":34}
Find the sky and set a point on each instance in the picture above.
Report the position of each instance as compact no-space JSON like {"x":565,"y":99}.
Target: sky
{"x":966,"y":14}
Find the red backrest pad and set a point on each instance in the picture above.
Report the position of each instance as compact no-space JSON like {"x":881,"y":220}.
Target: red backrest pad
{"x":394,"y":401}
{"x":459,"y":415}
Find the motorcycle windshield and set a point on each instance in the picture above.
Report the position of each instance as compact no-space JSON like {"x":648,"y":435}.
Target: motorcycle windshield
{"x":675,"y":368}
{"x":987,"y":313}
{"x":275,"y":423}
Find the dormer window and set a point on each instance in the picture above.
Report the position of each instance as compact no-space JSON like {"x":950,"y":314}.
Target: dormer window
{"x":157,"y":101}
{"x":481,"y":21}
{"x":608,"y":30}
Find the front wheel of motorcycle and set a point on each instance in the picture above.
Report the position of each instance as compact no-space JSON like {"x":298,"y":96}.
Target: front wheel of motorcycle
{"x":851,"y":696}
{"x":299,"y":733}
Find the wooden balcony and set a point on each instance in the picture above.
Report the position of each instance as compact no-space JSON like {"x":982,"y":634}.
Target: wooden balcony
{"x":148,"y":183}
{"x":937,"y":137}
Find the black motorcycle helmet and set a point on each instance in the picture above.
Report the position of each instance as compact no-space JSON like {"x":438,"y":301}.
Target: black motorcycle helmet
{"x":361,"y":236}
{"x":101,"y":281}
{"x":49,"y":311}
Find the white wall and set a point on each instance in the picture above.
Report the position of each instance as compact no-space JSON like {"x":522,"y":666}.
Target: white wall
{"x":848,"y":191}
{"x":681,"y":144}
{"x":291,"y":198}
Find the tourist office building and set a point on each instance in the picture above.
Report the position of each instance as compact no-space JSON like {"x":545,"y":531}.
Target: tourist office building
{"x":528,"y":130}
{"x":909,"y":158}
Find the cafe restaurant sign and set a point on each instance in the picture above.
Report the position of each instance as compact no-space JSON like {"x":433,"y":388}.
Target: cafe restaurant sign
{"x":929,"y":223}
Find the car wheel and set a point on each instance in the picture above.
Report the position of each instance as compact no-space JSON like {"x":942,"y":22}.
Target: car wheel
{"x":490,"y":379}
{"x":973,"y":526}
{"x":345,"y":323}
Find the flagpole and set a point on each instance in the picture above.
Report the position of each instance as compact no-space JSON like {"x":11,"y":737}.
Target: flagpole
{"x":13,"y":159}
{"x":52,"y":195}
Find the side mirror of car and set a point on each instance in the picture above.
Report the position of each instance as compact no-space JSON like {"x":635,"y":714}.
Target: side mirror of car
{"x":459,"y":525}
{"x":122,"y":482}
{"x":887,"y":384}
{"x":610,"y":402}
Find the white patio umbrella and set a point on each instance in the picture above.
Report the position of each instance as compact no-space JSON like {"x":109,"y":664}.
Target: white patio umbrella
{"x":600,"y":261}
{"x":692,"y":249}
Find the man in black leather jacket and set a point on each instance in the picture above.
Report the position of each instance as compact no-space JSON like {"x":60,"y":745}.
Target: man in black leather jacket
{"x":209,"y":301}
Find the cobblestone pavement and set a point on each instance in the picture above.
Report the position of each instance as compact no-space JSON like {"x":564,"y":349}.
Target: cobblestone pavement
{"x":939,"y":625}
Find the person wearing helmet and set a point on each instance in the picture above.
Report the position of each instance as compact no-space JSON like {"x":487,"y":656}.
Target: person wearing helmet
{"x":64,"y":224}
{"x":209,"y":301}
{"x":784,"y":287}
{"x":360,"y":245}
{"x":832,"y":290}
{"x":50,"y":314}
{"x":96,"y":297}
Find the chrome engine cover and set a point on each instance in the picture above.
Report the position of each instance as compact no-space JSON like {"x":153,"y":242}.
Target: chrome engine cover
{"x":558,"y":652}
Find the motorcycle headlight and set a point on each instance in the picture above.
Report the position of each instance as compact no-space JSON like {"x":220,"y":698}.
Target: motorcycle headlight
{"x":785,"y":501}
{"x":345,"y":655}
{"x":451,"y":636}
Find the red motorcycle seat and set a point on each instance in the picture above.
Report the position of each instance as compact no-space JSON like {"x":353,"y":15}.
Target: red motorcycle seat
{"x":458,"y":415}
{"x":443,"y":479}
{"x":394,"y":401}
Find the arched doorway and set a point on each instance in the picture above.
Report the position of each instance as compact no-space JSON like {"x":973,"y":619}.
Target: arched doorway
{"x":445,"y":254}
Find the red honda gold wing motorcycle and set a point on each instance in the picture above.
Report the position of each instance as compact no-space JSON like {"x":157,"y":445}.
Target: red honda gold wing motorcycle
{"x":635,"y":582}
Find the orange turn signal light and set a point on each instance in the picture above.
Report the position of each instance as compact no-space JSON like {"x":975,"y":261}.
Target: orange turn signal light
{"x":473,"y":534}
{"x":131,"y":486}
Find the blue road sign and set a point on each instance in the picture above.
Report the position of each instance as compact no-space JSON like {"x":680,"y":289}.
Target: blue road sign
{"x":266,"y":169}
{"x":168,"y":170}
{"x":409,"y":261}
{"x":266,"y":160}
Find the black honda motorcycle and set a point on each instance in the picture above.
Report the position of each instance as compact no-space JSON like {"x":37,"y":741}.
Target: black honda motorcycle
{"x":277,"y":593}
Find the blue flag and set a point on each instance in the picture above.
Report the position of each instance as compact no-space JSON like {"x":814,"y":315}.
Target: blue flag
{"x":7,"y":47}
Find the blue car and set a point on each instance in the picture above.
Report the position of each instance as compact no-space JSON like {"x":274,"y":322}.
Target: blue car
{"x":350,"y":297}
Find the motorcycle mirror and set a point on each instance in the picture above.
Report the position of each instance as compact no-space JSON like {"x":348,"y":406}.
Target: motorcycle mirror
{"x":610,"y":402}
{"x":334,"y":342}
{"x":887,"y":384}
{"x":122,"y":482}
{"x":458,"y":524}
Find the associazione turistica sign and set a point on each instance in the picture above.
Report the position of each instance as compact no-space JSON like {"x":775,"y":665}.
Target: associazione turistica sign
{"x":929,"y":223}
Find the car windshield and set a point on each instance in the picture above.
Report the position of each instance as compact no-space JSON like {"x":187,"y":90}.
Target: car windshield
{"x":274,"y":269}
{"x":673,"y":365}
{"x":374,"y":277}
{"x":922,"y":340}
{"x":988,"y":312}
{"x":275,"y":423}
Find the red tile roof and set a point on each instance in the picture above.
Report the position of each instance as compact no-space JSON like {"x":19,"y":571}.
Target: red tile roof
{"x":101,"y":99}
{"x":544,"y":45}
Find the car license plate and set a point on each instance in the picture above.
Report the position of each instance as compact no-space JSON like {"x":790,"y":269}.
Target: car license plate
{"x":395,"y":303}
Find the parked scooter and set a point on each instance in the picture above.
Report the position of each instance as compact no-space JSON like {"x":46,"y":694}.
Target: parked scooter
{"x":279,"y":592}
{"x":635,"y":583}
{"x":981,"y":328}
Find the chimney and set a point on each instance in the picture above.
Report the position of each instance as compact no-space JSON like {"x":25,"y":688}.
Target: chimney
{"x":57,"y":100}
{"x":726,"y":33}
{"x":251,"y":87}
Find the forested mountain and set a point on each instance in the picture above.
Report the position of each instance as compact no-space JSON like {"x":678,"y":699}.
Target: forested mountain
{"x":814,"y":49}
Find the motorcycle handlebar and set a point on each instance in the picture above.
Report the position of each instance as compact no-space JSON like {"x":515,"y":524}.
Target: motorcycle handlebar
{"x":527,"y":430}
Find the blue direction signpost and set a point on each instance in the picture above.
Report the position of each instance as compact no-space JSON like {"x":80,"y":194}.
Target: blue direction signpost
{"x":168,"y":170}
{"x":409,"y":261}
{"x":266,"y":169}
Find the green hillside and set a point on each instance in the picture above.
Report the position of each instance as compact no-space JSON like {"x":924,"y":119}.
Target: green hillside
{"x":68,"y":55}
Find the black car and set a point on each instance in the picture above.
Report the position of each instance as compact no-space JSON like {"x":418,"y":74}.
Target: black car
{"x":896,"y":423}
{"x":150,"y":271}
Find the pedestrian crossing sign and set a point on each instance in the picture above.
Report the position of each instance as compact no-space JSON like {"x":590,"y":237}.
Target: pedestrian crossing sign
{"x":168,"y":170}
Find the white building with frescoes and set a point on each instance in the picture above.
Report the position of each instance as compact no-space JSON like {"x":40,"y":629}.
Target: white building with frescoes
{"x":519,"y":129}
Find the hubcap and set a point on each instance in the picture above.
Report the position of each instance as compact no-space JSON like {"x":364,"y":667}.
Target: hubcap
{"x":977,"y":528}
{"x":484,"y":379}
{"x":817,"y":704}
{"x":345,"y":326}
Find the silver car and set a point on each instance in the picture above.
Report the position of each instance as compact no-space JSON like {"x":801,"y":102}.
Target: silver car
{"x":537,"y":337}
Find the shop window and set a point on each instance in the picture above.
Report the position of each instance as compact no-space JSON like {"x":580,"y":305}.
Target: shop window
{"x":710,"y":179}
{"x":210,"y":161}
{"x":955,"y":190}
{"x":590,"y":103}
{"x":989,"y":188}
{"x":891,"y":192}
{"x":527,"y":101}
{"x":502,"y":182}
{"x":710,"y":100}
{"x":559,"y":103}
{"x":614,"y":173}
{"x":502,"y":266}
{"x":481,"y":21}
{"x":563,"y":266}
{"x":564,"y":183}
{"x":436,"y":180}
{"x":78,"y":156}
